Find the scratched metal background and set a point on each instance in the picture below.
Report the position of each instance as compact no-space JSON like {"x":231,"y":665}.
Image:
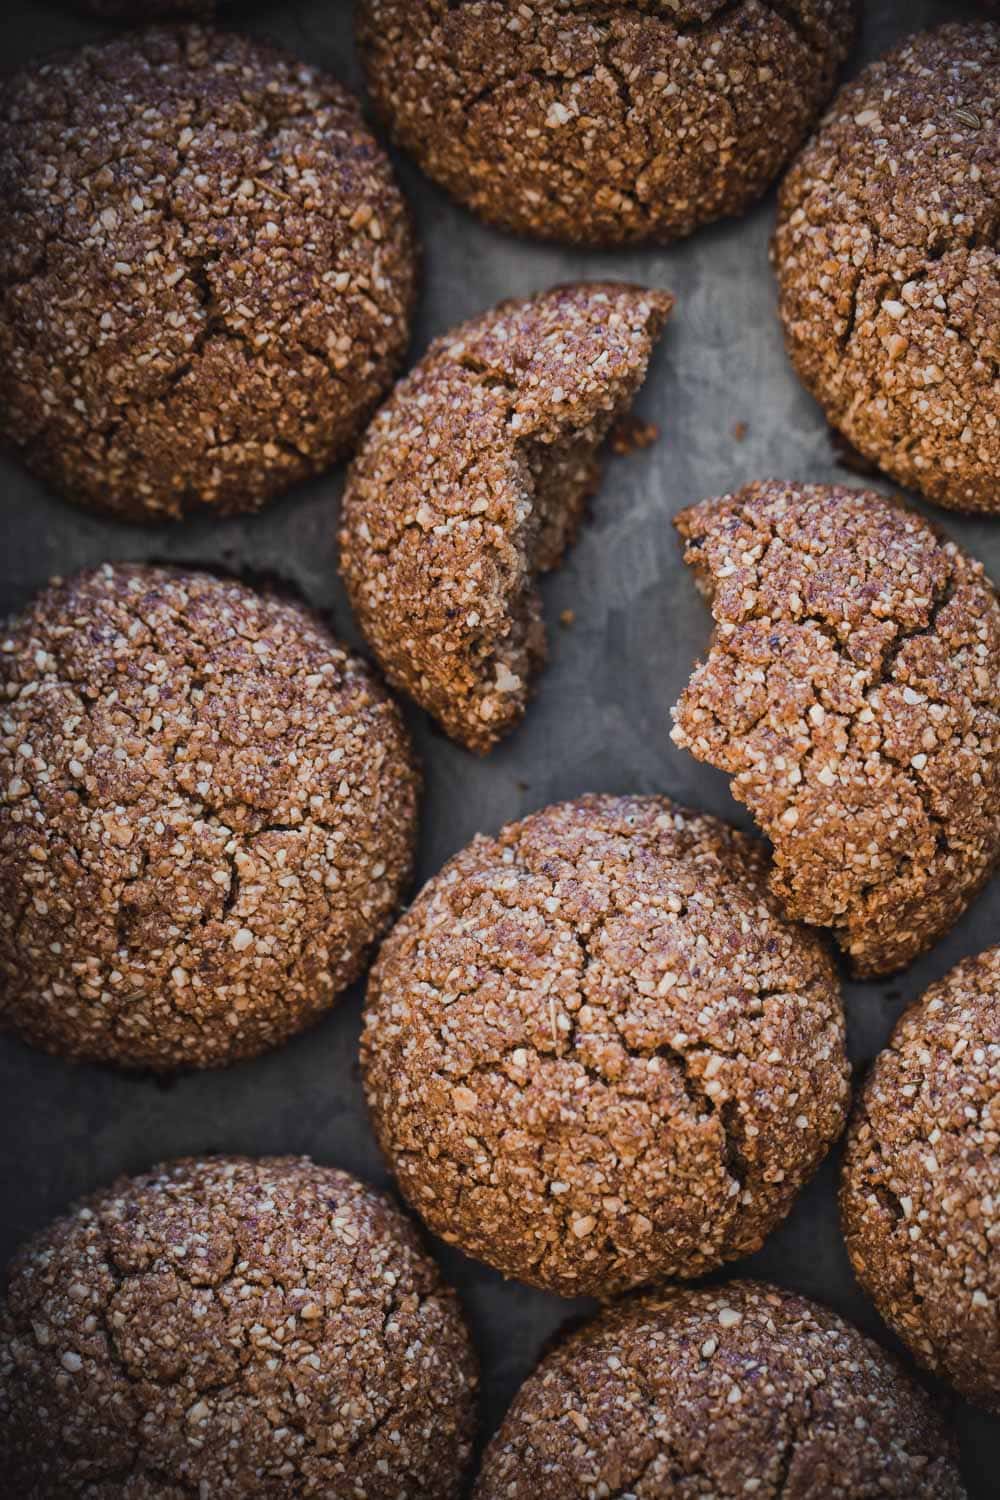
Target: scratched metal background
{"x":600,"y":722}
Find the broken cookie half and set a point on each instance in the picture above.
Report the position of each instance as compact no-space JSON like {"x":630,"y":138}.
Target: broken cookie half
{"x":852,"y":691}
{"x":472,"y":480}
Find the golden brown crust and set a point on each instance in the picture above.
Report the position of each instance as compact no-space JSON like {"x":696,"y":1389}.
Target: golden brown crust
{"x":920,"y":1191}
{"x":208,"y":815}
{"x":852,"y":691}
{"x":236,"y":1328}
{"x":472,"y":479}
{"x":603,"y":121}
{"x":207,"y":272}
{"x":887,"y":257}
{"x":730,"y":1391}
{"x":596,"y":1054}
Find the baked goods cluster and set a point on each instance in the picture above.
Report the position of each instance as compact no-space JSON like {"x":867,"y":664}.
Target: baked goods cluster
{"x":605,"y":1047}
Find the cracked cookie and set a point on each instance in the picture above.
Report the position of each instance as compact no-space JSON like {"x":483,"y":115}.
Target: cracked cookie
{"x":206,"y":272}
{"x":603,"y":123}
{"x":208,"y":815}
{"x":473,"y":479}
{"x":596,"y":1054}
{"x":852,"y":691}
{"x":920,"y":1191}
{"x":887,"y":257}
{"x":237,"y":1328}
{"x":729,"y":1391}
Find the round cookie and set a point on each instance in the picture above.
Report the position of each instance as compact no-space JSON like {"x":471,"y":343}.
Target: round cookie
{"x":595,"y":1054}
{"x":207,"y":272}
{"x":920,"y":1191}
{"x":888,"y":270}
{"x":852,"y":691}
{"x":235,"y":1328}
{"x":208,"y":816}
{"x":473,"y":479}
{"x":603,"y":123}
{"x":728,"y":1391}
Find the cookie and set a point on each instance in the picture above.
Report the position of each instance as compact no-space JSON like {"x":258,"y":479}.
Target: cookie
{"x":886,"y":253}
{"x":852,"y":692}
{"x":235,"y":1328}
{"x":207,"y":272}
{"x":473,"y":479}
{"x":595,"y":1054}
{"x":729,"y":1391}
{"x":208,"y":816}
{"x":603,"y":123}
{"x":920,"y":1191}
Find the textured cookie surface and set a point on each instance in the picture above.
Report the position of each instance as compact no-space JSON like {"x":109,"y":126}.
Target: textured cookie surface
{"x":728,"y":1392}
{"x":887,"y":259}
{"x":603,"y":122}
{"x":852,"y":691}
{"x":594,"y":1052}
{"x":208,"y":816}
{"x":472,"y":479}
{"x":238,"y":1328}
{"x":920,"y":1192}
{"x":207,"y":272}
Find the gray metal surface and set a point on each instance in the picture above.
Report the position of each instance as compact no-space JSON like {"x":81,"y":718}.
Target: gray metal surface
{"x":600,"y":722}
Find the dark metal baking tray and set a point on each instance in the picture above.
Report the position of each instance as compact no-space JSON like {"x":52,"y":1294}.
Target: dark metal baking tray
{"x":600,"y":722}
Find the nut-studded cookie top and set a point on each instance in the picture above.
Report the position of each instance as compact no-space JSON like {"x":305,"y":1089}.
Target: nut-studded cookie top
{"x":209,"y":812}
{"x":596,"y":1054}
{"x":472,"y":479}
{"x":729,"y":1391}
{"x":921,"y":1185}
{"x":887,"y":259}
{"x":852,"y":690}
{"x":597,"y":122}
{"x":238,"y":1328}
{"x":207,"y":271}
